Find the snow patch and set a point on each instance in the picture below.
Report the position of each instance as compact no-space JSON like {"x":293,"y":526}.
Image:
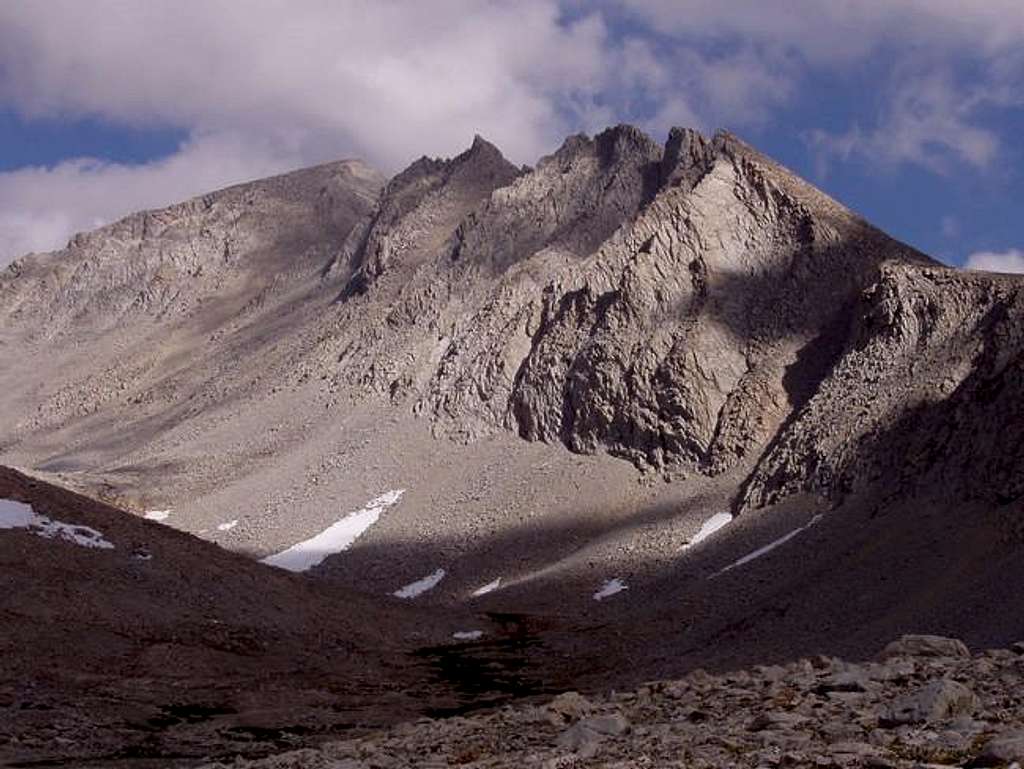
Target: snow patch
{"x":335,"y":538}
{"x":157,"y":515}
{"x":709,"y":527}
{"x":490,"y":587}
{"x":468,"y":635}
{"x":15,"y":515}
{"x":610,"y":588}
{"x":420,"y":586}
{"x":18,"y":515}
{"x":769,"y":547}
{"x":227,"y":526}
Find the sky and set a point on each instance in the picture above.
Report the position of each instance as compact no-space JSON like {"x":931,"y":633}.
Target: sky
{"x":908,"y":111}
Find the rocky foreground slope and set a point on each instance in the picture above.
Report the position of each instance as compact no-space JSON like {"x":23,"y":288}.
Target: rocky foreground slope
{"x":924,"y":702}
{"x":157,"y":644}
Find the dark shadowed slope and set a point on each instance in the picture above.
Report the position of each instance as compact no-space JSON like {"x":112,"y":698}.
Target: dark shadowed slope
{"x":160,"y":644}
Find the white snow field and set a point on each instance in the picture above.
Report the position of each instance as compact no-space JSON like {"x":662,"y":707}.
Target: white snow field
{"x":610,"y":588}
{"x":18,"y":515}
{"x":420,"y":586}
{"x":490,"y":587}
{"x":468,"y":635}
{"x":227,"y":526}
{"x":335,"y":538}
{"x":769,"y":547}
{"x":157,"y":515}
{"x":709,"y":527}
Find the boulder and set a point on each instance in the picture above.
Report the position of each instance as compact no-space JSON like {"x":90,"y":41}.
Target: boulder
{"x":776,"y":719}
{"x":1005,"y":748}
{"x":936,"y":701}
{"x":585,"y":736}
{"x":926,"y":646}
{"x":568,"y":707}
{"x":853,"y":679}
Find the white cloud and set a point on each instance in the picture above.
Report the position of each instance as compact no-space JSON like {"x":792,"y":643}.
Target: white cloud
{"x":928,"y":120}
{"x":381,"y":79}
{"x":266,"y":85}
{"x":841,"y":32}
{"x":1011,"y":260}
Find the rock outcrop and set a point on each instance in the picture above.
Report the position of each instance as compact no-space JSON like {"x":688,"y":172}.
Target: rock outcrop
{"x":953,"y":711}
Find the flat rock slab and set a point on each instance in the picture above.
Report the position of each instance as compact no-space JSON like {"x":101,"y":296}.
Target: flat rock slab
{"x":934,"y":702}
{"x":926,"y":646}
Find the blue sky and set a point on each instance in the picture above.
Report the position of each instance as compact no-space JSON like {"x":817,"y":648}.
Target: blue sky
{"x":908,"y":111}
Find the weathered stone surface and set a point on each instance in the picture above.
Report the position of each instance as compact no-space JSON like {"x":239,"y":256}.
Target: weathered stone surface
{"x":925,"y":646}
{"x":934,"y":702}
{"x":585,"y":736}
{"x":776,"y":719}
{"x":610,"y":724}
{"x":851,"y":680}
{"x":744,"y":728}
{"x":569,"y":707}
{"x":1005,"y":748}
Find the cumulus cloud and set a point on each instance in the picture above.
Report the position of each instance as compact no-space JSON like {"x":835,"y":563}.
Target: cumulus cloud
{"x":267,"y":85}
{"x":926,"y":116}
{"x":381,"y":79}
{"x":1011,"y":260}
{"x":844,"y":32}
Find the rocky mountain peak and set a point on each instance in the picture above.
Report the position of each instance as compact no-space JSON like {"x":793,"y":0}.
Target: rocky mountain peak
{"x":481,"y":146}
{"x":614,"y":146}
{"x":619,"y":142}
{"x":688,"y":156}
{"x":421,"y":205}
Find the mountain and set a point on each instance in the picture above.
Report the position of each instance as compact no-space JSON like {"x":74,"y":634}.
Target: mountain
{"x":639,"y":408}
